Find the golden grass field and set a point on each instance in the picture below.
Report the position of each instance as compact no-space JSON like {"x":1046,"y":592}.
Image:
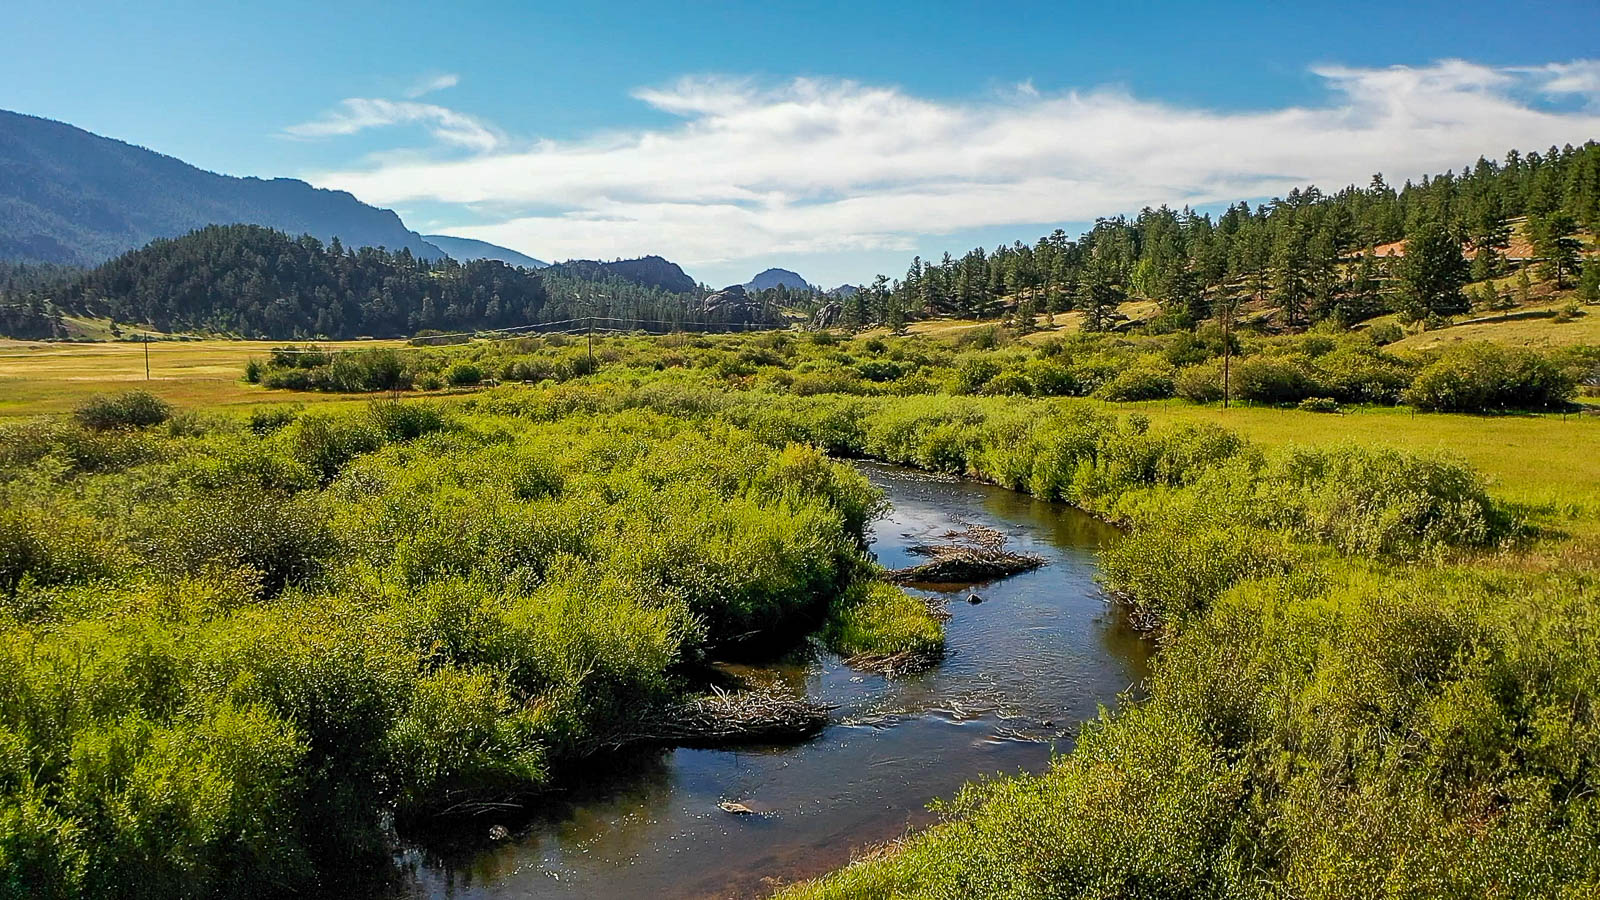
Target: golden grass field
{"x":38,"y":378}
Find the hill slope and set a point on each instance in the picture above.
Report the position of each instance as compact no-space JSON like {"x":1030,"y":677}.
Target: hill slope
{"x":466,"y":250}
{"x":649,"y":271}
{"x":257,"y":282}
{"x":69,"y":196}
{"x":772,"y":278}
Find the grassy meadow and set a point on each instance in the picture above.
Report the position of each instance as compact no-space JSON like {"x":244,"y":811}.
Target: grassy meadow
{"x":1544,"y":460}
{"x":38,"y":377}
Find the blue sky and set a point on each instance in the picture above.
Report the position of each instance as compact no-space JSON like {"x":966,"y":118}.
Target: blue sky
{"x":836,"y":139}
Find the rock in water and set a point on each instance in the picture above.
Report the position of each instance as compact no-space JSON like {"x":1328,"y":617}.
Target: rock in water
{"x":974,"y":599}
{"x":737,"y":809}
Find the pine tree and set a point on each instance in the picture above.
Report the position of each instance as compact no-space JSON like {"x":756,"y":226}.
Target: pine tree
{"x":1291,"y":288}
{"x":1589,"y":281}
{"x":1553,"y":241}
{"x":1098,"y":295}
{"x":1432,"y":273}
{"x":1364,"y":297}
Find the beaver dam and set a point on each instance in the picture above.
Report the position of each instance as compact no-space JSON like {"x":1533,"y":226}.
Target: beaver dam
{"x":1021,"y":671}
{"x":972,"y":555}
{"x":763,"y":713}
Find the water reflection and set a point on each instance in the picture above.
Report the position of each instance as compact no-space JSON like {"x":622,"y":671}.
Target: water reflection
{"x":1023,"y":669}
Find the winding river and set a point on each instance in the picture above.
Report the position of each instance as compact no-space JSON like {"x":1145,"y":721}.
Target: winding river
{"x":1023,"y":669}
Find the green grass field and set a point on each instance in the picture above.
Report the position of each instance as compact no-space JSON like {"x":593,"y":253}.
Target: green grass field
{"x":1546,"y":460}
{"x":38,"y":378}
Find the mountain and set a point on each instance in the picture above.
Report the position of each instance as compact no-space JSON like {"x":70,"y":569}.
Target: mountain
{"x":772,"y":278}
{"x":69,"y":196}
{"x":466,"y":250}
{"x":650,"y":271}
{"x":844,"y":290}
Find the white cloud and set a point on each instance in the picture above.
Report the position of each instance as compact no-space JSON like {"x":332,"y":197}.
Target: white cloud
{"x":357,"y":114}
{"x":822,"y":166}
{"x":433,"y":83}
{"x":1580,"y":77}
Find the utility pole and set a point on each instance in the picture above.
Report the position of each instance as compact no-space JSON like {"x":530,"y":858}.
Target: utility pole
{"x":147,"y":356}
{"x":591,"y":343}
{"x":1227,"y":348}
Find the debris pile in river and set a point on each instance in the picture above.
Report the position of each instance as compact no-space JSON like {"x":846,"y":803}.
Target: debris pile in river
{"x":970,"y":556}
{"x":894,"y":665}
{"x":724,"y":717}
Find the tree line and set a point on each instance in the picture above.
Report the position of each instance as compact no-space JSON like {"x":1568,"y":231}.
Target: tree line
{"x":1307,"y":255}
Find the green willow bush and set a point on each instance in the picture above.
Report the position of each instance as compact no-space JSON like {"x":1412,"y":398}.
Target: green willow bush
{"x":1282,"y":370}
{"x":1485,"y":377}
{"x":130,"y":409}
{"x":221,"y":660}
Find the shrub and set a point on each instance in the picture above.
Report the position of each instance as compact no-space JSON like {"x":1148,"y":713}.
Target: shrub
{"x":1354,"y":376}
{"x":325,"y":443}
{"x":1273,"y":379}
{"x":1319,"y":405}
{"x":289,"y":380}
{"x":1385,"y":333}
{"x":282,"y":541}
{"x":464,"y":736}
{"x":1201,"y":383}
{"x":1013,"y":384}
{"x":129,"y":409}
{"x":1483,"y":377}
{"x":400,"y":421}
{"x":1051,"y":379}
{"x":973,"y":373}
{"x":464,"y":374}
{"x":266,"y":420}
{"x":877,"y":620}
{"x":1143,"y":381}
{"x":40,"y":549}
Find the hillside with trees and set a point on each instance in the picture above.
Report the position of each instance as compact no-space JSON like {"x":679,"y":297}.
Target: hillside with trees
{"x":1298,"y":260}
{"x":647,"y":271}
{"x":254,"y":281}
{"x":70,"y":196}
{"x":251,"y":281}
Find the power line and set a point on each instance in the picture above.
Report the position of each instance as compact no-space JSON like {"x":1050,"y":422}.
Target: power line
{"x":591,"y":325}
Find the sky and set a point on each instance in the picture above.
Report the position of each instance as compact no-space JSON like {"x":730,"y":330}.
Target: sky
{"x":834,"y":139}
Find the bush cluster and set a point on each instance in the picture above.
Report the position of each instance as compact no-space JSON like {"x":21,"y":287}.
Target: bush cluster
{"x":1486,"y":377}
{"x":1346,"y":368}
{"x":222,"y":659}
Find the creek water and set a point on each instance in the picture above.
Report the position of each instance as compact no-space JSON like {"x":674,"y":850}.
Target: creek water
{"x":1023,"y":669}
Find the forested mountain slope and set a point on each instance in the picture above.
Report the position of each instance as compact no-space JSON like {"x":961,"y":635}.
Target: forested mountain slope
{"x":254,"y":281}
{"x":69,"y":196}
